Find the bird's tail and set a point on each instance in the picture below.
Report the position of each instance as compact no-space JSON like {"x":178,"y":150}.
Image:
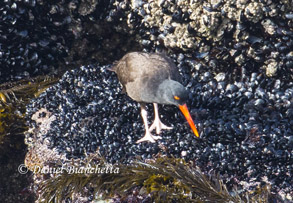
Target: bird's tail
{"x":112,"y":67}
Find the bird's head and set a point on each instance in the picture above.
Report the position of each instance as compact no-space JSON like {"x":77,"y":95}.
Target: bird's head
{"x":172,"y":92}
{"x":178,"y":95}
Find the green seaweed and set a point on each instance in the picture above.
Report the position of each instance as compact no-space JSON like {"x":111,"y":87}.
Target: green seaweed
{"x":14,"y":96}
{"x":21,"y":92}
{"x":165,"y":179}
{"x":11,"y":122}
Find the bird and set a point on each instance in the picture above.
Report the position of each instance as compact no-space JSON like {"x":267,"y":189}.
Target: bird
{"x":153,"y":78}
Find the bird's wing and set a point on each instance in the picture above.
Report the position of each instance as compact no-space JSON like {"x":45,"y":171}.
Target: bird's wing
{"x":136,"y":69}
{"x":137,"y":65}
{"x":168,"y":65}
{"x":126,"y":69}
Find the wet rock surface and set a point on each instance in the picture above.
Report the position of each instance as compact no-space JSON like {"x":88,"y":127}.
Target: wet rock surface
{"x":30,"y":41}
{"x":235,"y":58}
{"x":245,"y":126}
{"x":40,"y":37}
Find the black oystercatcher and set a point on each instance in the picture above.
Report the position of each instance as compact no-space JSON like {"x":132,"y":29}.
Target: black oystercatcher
{"x":153,"y":78}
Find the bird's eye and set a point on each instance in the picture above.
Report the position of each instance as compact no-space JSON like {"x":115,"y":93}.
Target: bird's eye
{"x":176,"y":98}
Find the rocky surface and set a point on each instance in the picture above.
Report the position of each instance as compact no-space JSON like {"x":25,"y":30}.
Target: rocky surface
{"x":30,"y":41}
{"x":235,"y":58}
{"x":246,"y":130}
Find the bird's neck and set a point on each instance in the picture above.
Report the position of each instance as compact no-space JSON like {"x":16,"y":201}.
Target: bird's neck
{"x":164,"y":90}
{"x":155,"y":92}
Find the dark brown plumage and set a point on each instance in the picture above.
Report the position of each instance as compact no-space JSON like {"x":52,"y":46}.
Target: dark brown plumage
{"x":152,"y":78}
{"x":138,"y":69}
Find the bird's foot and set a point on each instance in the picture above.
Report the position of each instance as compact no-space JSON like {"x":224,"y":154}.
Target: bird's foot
{"x":158,"y":125}
{"x":148,"y":138}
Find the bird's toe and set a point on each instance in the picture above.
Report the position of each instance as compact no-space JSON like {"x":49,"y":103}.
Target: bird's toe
{"x":153,"y":126}
{"x":159,"y":126}
{"x":156,"y":137}
{"x":147,"y":138}
{"x":163,"y":126}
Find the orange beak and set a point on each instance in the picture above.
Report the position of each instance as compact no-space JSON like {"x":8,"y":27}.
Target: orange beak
{"x":186,"y":113}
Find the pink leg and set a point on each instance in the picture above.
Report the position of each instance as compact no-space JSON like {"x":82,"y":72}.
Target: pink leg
{"x":148,"y":136}
{"x":157,"y":122}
